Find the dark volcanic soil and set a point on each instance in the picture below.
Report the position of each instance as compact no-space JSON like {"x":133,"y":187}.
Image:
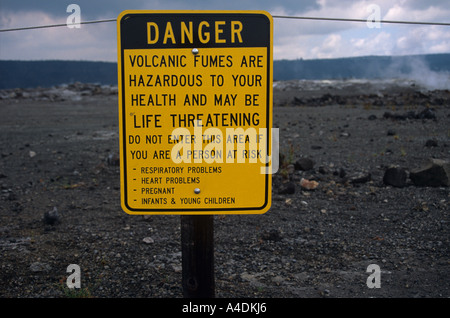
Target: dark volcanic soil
{"x":58,"y":154}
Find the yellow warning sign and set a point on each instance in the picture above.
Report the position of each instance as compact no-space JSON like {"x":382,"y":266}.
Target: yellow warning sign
{"x":195,"y":111}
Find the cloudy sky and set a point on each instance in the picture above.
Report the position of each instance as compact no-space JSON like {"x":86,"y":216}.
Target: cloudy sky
{"x":293,"y":39}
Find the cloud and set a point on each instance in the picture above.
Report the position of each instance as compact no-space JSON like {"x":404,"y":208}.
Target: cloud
{"x":429,"y":13}
{"x":89,"y":42}
{"x":341,"y":39}
{"x":381,"y":44}
{"x":331,"y":45}
{"x":433,"y":39}
{"x":99,"y":8}
{"x":292,"y":38}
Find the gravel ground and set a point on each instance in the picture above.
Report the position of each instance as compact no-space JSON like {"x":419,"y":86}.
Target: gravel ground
{"x":60,"y":200}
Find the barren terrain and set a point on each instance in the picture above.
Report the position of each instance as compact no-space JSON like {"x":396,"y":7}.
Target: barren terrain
{"x":60,"y":200}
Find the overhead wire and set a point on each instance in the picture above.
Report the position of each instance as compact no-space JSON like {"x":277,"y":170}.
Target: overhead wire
{"x":55,"y":25}
{"x":274,"y":16}
{"x":362,"y":20}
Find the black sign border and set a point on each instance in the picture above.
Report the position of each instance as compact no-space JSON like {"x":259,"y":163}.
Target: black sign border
{"x":127,"y":16}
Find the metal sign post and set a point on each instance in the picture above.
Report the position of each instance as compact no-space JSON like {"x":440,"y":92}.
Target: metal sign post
{"x":197,"y":248}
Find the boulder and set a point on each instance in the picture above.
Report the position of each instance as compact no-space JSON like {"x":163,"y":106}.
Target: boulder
{"x":434,"y":174}
{"x":395,"y":177}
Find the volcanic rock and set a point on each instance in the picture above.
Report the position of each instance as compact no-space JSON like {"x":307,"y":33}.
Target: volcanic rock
{"x":113,"y":159}
{"x":362,"y":179}
{"x":308,"y":184}
{"x":395,"y":177}
{"x":304,"y":164}
{"x":288,"y":188}
{"x":431,"y":143}
{"x":40,"y":267}
{"x":51,"y":217}
{"x":435,"y":174}
{"x":427,"y":113}
{"x":271,"y":235}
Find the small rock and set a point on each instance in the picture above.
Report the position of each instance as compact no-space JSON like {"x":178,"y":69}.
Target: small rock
{"x":148,"y":240}
{"x":431,"y":143}
{"x":278,"y":279}
{"x":372,"y":117}
{"x":32,"y":154}
{"x":395,"y":177}
{"x":250,"y":278}
{"x":177,"y":268}
{"x":341,"y":173}
{"x":304,"y":164}
{"x":362,"y":179}
{"x":272,"y":235}
{"x":427,"y":113}
{"x":435,"y":174}
{"x":323,"y":170}
{"x":307,"y":184}
{"x":51,"y":217}
{"x":39,"y":267}
{"x":290,"y":169}
{"x":287,"y":188}
{"x":113,"y":159}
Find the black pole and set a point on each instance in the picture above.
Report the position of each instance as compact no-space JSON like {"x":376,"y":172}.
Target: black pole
{"x":197,"y":248}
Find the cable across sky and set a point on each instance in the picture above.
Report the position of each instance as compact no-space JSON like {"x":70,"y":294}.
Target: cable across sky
{"x":274,"y":16}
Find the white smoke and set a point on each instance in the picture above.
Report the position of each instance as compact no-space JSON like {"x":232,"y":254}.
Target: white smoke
{"x":416,"y":69}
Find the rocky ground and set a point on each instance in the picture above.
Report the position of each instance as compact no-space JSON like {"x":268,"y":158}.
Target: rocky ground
{"x":337,"y":204}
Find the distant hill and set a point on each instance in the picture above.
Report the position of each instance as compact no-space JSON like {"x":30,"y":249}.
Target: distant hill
{"x":28,"y":74}
{"x":369,"y":67}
